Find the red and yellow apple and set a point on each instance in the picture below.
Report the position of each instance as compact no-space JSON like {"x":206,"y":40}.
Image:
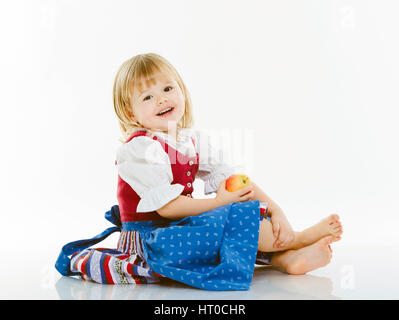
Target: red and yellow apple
{"x":236,"y":182}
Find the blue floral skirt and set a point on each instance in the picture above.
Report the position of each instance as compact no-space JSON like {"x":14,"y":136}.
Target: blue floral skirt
{"x":216,"y":250}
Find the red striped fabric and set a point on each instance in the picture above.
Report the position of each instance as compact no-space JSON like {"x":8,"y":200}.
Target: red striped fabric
{"x":84,"y":264}
{"x":107,"y":271}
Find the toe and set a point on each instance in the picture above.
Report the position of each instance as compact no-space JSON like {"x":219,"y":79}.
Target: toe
{"x":334,"y":224}
{"x":335,"y":217}
{"x":327,"y":240}
{"x":338,"y":230}
{"x":334,"y":221}
{"x":337,"y":238}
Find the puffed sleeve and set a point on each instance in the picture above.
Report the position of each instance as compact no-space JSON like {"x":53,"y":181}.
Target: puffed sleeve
{"x":213,"y":166}
{"x":145,"y":166}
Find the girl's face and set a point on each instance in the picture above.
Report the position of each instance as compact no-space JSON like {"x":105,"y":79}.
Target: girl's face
{"x":162,"y":95}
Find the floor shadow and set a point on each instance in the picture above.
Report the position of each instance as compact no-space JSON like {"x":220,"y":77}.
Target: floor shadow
{"x":272,"y":282}
{"x":269,"y":283}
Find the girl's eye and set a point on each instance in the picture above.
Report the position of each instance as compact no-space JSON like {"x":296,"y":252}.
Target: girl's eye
{"x":164,"y":89}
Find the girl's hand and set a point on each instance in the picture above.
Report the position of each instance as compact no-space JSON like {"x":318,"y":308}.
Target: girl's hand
{"x":282,"y":230}
{"x":225,"y":197}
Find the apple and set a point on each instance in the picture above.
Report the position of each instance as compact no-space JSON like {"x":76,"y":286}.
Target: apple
{"x":236,"y":182}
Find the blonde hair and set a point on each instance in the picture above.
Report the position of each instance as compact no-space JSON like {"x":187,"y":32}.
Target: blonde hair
{"x":129,"y":75}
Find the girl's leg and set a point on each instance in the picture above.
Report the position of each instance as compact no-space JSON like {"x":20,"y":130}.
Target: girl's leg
{"x":306,"y":259}
{"x":327,"y":226}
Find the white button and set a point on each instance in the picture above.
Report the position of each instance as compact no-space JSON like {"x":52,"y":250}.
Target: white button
{"x":189,"y":185}
{"x":188,"y":173}
{"x":190,"y":162}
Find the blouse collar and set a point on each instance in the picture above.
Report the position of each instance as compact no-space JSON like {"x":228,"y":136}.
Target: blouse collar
{"x":184,"y":145}
{"x":182,"y":135}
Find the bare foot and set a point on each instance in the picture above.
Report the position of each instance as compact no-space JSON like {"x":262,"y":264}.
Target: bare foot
{"x":308,"y":258}
{"x":331,"y":225}
{"x":328,"y":226}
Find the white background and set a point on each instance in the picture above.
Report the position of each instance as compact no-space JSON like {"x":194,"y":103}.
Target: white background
{"x":316,"y":81}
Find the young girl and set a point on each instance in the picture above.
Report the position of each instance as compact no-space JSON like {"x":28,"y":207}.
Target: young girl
{"x":210,"y":243}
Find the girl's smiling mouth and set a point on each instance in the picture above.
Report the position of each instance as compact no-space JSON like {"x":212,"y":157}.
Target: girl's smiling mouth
{"x":165,"y":112}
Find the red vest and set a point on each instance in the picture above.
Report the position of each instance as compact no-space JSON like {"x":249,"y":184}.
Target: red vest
{"x":184,"y":170}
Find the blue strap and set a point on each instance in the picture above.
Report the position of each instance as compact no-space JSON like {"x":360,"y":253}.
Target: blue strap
{"x":63,"y":261}
{"x":114,"y":216}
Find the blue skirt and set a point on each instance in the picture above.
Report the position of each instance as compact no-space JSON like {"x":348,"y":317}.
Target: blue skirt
{"x":216,"y":250}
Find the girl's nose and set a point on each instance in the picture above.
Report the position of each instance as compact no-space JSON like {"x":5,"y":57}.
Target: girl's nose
{"x":162,"y":99}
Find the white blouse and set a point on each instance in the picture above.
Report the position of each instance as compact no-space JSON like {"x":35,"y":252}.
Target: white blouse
{"x":145,"y":166}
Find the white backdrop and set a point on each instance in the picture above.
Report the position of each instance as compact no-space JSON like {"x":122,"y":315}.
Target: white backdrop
{"x":316,"y":81}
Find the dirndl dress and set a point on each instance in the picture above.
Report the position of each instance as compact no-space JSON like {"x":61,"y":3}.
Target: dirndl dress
{"x":216,"y":250}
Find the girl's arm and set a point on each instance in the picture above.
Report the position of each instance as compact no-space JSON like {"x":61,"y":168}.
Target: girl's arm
{"x":272,"y":207}
{"x":184,"y":206}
